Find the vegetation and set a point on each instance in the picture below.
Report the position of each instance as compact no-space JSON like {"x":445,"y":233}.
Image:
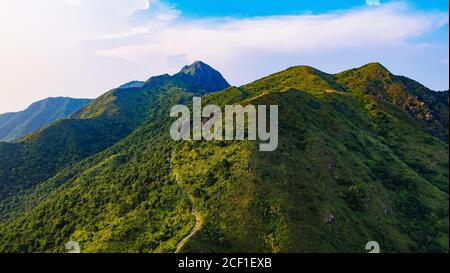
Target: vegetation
{"x":353,"y":165}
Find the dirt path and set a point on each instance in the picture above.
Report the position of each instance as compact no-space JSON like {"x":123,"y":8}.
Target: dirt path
{"x":198,"y":219}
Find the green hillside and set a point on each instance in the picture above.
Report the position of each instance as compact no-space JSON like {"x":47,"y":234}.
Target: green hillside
{"x":362,"y":156}
{"x":39,"y":115}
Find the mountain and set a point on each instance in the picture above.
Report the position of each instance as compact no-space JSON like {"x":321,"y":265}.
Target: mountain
{"x":93,"y":128}
{"x":204,"y":75}
{"x":430,"y":107}
{"x":362,"y":156}
{"x":36,"y":116}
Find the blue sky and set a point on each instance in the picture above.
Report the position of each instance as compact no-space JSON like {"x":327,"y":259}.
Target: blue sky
{"x":82,"y":48}
{"x":255,"y":8}
{"x":245,"y":8}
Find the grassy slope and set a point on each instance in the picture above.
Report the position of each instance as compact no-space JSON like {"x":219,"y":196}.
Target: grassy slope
{"x":108,"y":119}
{"x":366,"y":163}
{"x":121,"y":199}
{"x":346,"y":156}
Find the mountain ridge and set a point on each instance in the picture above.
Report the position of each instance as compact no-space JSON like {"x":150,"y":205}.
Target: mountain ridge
{"x":39,"y":114}
{"x":352,"y":166}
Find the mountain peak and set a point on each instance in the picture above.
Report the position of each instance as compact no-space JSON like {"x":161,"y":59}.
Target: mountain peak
{"x":375,"y":68}
{"x":368,"y":72}
{"x":203,"y":75}
{"x":196,"y":67}
{"x":375,"y":65}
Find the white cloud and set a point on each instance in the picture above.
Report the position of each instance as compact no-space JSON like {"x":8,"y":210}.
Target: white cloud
{"x":373,"y":2}
{"x":41,"y":54}
{"x":221,"y":41}
{"x":73,"y":2}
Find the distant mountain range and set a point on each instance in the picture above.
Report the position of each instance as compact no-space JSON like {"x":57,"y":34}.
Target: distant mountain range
{"x":362,"y":156}
{"x":40,"y":114}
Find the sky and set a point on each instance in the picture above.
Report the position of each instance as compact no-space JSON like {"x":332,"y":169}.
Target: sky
{"x":83,"y":48}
